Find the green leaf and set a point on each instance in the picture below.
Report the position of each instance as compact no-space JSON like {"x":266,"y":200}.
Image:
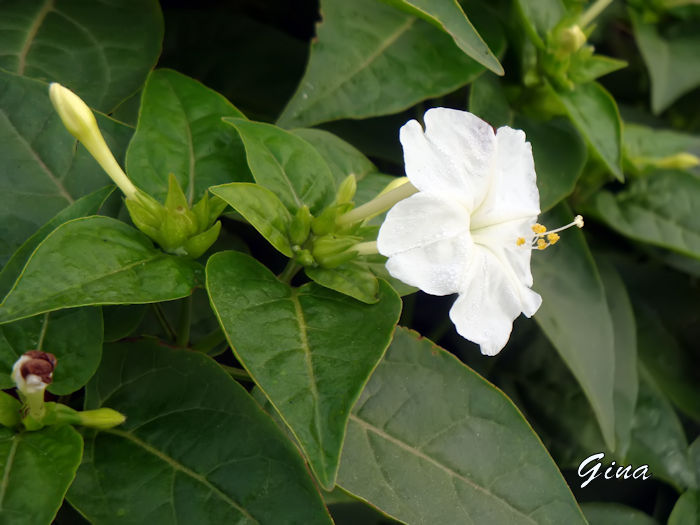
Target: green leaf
{"x":559,"y":154}
{"x":180,"y":131}
{"x":195,"y":448}
{"x":660,"y":209}
{"x":96,"y":260}
{"x":448,"y":16}
{"x":658,"y":439}
{"x":37,"y":469}
{"x":594,"y":112}
{"x":121,"y":320}
{"x":626,"y":384}
{"x":101,"y":50}
{"x":668,"y":364}
{"x":370,"y":59}
{"x":694,"y":456}
{"x":88,"y":205}
{"x":590,"y":68}
{"x":43,"y":171}
{"x":615,"y":514}
{"x":540,"y":18}
{"x":671,"y":60}
{"x":686,"y":510}
{"x":262,"y":209}
{"x":575,"y":317}
{"x":318,"y":351}
{"x":426,"y":444}
{"x":73,"y":336}
{"x":286,"y":164}
{"x":487,"y":100}
{"x":342,"y":157}
{"x":353,"y":279}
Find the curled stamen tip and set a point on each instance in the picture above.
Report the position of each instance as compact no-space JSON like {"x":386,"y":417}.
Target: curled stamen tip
{"x":578,"y":221}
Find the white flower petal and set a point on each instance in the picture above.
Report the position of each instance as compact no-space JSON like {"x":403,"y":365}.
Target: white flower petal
{"x":502,"y":238}
{"x":453,"y":156}
{"x":489,"y":302}
{"x":513,"y":193}
{"x":428,"y":243}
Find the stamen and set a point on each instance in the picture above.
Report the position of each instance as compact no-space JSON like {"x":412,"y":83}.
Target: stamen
{"x":544,"y":238}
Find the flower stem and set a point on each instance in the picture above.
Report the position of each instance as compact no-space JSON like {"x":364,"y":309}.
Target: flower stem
{"x":184,"y":323}
{"x":289,"y":272}
{"x":593,"y":11}
{"x":164,"y":323}
{"x":379,"y":204}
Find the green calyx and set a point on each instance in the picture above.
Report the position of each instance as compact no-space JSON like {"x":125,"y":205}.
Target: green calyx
{"x":176,"y":227}
{"x":59,"y":414}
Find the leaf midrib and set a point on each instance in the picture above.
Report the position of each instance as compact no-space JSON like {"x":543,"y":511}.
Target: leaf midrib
{"x":31,"y":34}
{"x":182,"y":468}
{"x":8,"y":467}
{"x":414,"y":451}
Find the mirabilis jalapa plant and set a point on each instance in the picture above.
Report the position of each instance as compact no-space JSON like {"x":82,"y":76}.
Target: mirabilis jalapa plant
{"x":462,"y":222}
{"x":163,"y":364}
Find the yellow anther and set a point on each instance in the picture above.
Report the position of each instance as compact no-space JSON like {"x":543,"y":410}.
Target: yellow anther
{"x":520,"y":241}
{"x":538,"y":228}
{"x":553,"y":238}
{"x":541,"y":244}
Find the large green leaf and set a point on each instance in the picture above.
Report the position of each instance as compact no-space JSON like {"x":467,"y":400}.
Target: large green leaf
{"x":575,"y":317}
{"x":487,"y":100}
{"x":615,"y":514}
{"x":430,"y":441}
{"x":342,"y":158}
{"x":668,"y":364}
{"x":448,"y":16}
{"x":37,"y":469}
{"x":318,"y":349}
{"x":625,"y":334}
{"x":594,"y":112}
{"x":286,"y":164}
{"x":660,"y":209}
{"x":102,"y":50}
{"x":559,"y":156}
{"x":73,"y":336}
{"x":195,"y":448}
{"x":370,"y":59}
{"x":262,"y":209}
{"x":96,"y":260}
{"x":180,"y":131}
{"x":658,"y":439}
{"x":686,"y":510}
{"x":671,"y":59}
{"x":42,"y":170}
{"x":88,"y":205}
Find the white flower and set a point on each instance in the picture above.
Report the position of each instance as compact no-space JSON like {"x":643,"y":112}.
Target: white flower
{"x":459,"y":234}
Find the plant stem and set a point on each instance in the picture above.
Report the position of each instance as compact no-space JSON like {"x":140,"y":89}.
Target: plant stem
{"x":379,"y":204}
{"x":164,"y":323}
{"x":593,"y":11}
{"x":184,"y":323}
{"x":237,"y":373}
{"x":289,"y":272}
{"x":210,"y":341}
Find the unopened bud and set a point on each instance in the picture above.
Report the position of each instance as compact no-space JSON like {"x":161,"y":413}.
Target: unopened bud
{"x":571,"y":39}
{"x":347,"y":190}
{"x":102,"y":418}
{"x":679,"y":161}
{"x":300,"y":226}
{"x":79,"y":120}
{"x":330,"y":251}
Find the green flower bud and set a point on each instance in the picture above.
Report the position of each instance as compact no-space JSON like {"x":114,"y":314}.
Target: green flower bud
{"x":300,"y":226}
{"x":330,"y":251}
{"x":304,"y":257}
{"x":570,"y":40}
{"x":101,"y":419}
{"x":347,"y":190}
{"x":679,"y":161}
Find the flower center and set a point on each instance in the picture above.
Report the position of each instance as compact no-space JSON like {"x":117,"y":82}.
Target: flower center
{"x":544,"y":238}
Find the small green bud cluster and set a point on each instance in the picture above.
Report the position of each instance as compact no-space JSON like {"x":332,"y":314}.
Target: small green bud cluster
{"x":175,"y":226}
{"x":320,"y":241}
